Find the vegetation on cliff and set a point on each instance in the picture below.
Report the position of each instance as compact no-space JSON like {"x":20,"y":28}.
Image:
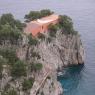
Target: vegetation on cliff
{"x":18,"y":69}
{"x":33,"y":15}
{"x":66,"y":24}
{"x":9,"y":55}
{"x":52,"y":30}
{"x":11,"y":39}
{"x":10,"y":29}
{"x":27,"y":84}
{"x":36,"y":66}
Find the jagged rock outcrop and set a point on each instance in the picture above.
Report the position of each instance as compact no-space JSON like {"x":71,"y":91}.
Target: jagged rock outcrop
{"x":62,"y":50}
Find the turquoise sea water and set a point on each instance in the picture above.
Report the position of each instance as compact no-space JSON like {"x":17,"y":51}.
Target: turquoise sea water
{"x":71,"y":80}
{"x":77,"y":80}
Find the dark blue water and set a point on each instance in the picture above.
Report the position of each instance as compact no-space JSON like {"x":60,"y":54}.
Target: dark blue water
{"x":71,"y":78}
{"x":77,"y":80}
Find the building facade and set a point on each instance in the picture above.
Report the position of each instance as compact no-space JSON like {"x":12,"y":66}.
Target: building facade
{"x":40,"y":25}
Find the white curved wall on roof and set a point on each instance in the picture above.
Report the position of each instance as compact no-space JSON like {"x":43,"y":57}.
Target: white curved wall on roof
{"x":44,"y":21}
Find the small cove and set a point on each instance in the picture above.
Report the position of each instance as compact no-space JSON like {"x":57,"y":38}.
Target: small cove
{"x":78,"y":80}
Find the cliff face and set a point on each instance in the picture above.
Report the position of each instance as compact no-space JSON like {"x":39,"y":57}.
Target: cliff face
{"x":62,"y":50}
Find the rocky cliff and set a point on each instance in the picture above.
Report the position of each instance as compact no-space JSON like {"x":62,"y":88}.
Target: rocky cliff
{"x":28,"y":64}
{"x":62,"y":50}
{"x":54,"y":54}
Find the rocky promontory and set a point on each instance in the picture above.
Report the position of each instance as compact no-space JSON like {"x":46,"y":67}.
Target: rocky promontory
{"x":62,"y":50}
{"x":28,"y":64}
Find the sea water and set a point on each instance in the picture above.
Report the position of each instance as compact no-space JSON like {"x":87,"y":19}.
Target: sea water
{"x":78,"y":80}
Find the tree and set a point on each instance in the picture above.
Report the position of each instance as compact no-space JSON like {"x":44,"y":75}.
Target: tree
{"x":18,"y":69}
{"x":66,"y":23}
{"x":5,"y":32}
{"x":19,"y":25}
{"x":9,"y":54}
{"x":32,"y":15}
{"x":52,"y":30}
{"x":10,"y":34}
{"x":27,"y":84}
{"x":7,"y":18}
{"x":10,"y":29}
{"x":45,"y":12}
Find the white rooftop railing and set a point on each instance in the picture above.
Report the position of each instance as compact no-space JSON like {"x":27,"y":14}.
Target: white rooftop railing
{"x":44,"y":21}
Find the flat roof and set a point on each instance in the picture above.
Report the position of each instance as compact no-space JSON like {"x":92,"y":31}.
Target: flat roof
{"x":39,"y":22}
{"x":45,"y":20}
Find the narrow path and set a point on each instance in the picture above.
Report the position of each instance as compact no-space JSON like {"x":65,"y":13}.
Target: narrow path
{"x":37,"y":84}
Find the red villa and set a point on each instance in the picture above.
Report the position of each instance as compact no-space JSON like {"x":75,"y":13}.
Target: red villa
{"x":40,"y":25}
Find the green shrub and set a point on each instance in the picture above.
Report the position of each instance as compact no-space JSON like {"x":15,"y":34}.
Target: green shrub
{"x":36,"y":66}
{"x":66,"y":24}
{"x":32,"y":16}
{"x":52,"y":30}
{"x":9,"y":33}
{"x":32,"y":41}
{"x":9,"y":54}
{"x":10,"y":29}
{"x":9,"y":19}
{"x":18,"y":69}
{"x":37,"y":14}
{"x":46,"y":12}
{"x":27,"y":84}
{"x":36,"y":54}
